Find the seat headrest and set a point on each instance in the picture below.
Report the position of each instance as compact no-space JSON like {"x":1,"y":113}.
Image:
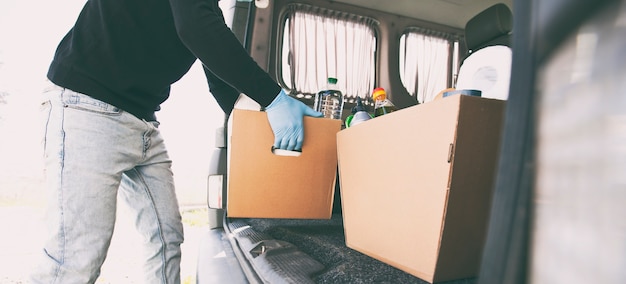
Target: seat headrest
{"x":490,"y":27}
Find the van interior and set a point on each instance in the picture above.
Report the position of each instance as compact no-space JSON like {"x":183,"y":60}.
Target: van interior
{"x":554,"y":216}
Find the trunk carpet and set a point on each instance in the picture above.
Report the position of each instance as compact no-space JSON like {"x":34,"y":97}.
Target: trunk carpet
{"x":323,"y":240}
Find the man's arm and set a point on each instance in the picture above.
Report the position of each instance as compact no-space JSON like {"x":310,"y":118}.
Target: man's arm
{"x":224,"y":94}
{"x":200,"y":26}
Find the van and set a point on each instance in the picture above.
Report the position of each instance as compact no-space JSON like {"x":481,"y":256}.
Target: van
{"x":551,"y":206}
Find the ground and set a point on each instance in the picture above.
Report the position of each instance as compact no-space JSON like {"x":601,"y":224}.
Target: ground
{"x":22,"y":233}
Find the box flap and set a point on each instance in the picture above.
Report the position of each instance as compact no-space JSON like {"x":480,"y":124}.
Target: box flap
{"x":474,"y":167}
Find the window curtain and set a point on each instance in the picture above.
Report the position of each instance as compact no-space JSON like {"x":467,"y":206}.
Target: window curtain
{"x":424,"y":60}
{"x":323,"y":43}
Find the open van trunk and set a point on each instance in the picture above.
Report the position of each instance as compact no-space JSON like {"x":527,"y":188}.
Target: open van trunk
{"x":256,"y":250}
{"x":557,"y":210}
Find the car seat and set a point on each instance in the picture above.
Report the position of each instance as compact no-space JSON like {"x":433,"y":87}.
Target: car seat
{"x":488,"y":66}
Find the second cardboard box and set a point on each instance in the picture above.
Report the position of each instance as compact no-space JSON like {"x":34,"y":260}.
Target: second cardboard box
{"x":416,"y":185}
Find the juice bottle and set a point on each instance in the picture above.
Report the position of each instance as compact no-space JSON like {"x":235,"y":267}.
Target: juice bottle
{"x":382,"y":105}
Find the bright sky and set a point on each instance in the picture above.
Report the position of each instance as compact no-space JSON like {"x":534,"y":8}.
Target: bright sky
{"x":29,"y":34}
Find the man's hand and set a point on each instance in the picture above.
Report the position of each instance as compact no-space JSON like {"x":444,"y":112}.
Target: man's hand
{"x":285,"y":116}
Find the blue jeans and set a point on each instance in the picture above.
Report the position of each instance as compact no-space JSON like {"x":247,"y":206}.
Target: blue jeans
{"x":92,"y":149}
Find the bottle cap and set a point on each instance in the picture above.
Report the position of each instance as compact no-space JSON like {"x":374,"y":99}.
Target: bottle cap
{"x":332,"y":80}
{"x":359,"y":106}
{"x":379,"y":92}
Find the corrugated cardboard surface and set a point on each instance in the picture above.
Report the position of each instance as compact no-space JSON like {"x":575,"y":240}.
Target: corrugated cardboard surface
{"x":404,"y":202}
{"x":264,"y":185}
{"x":471,"y":187}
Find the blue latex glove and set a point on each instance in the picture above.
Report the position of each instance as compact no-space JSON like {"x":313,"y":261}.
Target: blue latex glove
{"x":285,"y":116}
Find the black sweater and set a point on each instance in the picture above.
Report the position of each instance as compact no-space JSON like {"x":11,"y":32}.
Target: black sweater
{"x":128,"y":52}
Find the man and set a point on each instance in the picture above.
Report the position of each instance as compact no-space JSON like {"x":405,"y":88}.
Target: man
{"x":110,"y":73}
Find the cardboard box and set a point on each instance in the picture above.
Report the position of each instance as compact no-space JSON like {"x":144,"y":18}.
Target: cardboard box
{"x":262,"y":184}
{"x":416,"y":185}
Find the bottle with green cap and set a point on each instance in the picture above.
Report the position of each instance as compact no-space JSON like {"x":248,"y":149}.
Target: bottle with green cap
{"x":329,"y":101}
{"x":382,"y":105}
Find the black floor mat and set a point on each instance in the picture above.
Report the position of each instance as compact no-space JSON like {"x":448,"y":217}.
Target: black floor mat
{"x":324,"y":241}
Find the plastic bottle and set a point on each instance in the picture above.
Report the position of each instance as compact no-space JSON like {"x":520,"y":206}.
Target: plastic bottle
{"x":330,"y":100}
{"x":359,"y":114}
{"x":381,"y":104}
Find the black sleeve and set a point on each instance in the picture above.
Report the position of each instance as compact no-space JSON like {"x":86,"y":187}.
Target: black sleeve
{"x":200,"y":26}
{"x":224,"y":94}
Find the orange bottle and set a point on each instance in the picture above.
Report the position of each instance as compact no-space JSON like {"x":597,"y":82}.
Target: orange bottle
{"x":381,"y":104}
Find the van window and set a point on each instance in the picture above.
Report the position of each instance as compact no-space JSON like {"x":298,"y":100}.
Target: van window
{"x":319,"y":43}
{"x":426,"y":58}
